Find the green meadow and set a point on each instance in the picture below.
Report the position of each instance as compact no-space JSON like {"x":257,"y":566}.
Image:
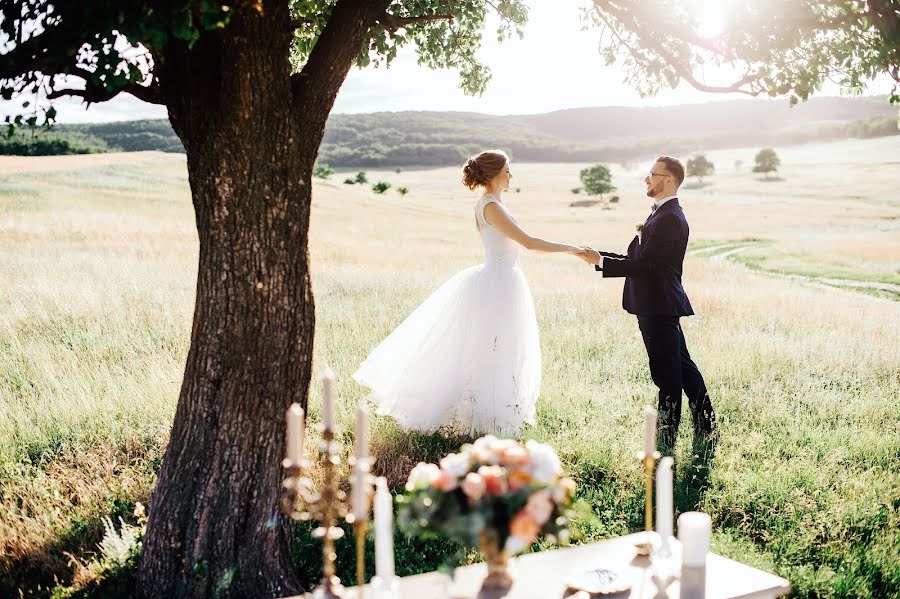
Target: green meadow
{"x":795,"y":281}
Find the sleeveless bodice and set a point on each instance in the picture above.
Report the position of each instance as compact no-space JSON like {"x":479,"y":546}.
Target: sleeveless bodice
{"x":499,"y":249}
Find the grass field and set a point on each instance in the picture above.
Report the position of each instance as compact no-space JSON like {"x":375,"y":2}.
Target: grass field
{"x":98,"y":257}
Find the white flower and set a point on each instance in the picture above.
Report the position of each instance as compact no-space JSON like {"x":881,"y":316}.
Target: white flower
{"x":514,"y":545}
{"x":456,"y":465}
{"x":486,"y":450}
{"x":422,"y":476}
{"x":545,"y":466}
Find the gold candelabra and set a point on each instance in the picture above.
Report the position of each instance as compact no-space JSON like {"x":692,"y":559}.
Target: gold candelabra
{"x":302,"y":501}
{"x":649,"y":463}
{"x":363,"y":481}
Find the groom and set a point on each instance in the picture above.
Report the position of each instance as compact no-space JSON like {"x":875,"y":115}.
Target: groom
{"x":653,"y":293}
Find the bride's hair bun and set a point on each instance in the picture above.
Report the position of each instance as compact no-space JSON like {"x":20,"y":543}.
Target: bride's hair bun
{"x":481,"y":168}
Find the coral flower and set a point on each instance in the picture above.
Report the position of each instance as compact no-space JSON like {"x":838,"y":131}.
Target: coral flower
{"x":518,"y":479}
{"x":494,"y":479}
{"x":524,"y":526}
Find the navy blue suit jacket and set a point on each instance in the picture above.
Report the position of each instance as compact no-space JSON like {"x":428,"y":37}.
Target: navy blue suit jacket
{"x":652,"y":268}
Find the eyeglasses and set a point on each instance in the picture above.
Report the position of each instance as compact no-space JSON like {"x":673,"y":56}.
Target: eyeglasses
{"x":651,"y":174}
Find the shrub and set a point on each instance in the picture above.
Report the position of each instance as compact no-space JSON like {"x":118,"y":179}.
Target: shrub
{"x":322,"y":170}
{"x":381,"y":187}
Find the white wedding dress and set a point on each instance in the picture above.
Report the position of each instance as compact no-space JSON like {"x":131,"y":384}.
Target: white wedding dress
{"x":469,"y":357}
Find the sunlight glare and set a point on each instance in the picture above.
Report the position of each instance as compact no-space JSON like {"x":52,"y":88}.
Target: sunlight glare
{"x":711,"y":18}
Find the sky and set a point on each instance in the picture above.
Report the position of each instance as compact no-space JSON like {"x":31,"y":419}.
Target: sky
{"x":556,"y":66}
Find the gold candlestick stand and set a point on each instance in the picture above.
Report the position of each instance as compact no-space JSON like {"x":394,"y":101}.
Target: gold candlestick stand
{"x":362,"y":479}
{"x":649,"y":463}
{"x":301,"y":501}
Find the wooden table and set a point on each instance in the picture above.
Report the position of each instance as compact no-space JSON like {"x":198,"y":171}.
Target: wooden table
{"x":542,"y":576}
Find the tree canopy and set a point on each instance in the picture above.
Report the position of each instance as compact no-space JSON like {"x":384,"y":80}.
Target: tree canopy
{"x":99,"y":48}
{"x":597,"y":180}
{"x":785,"y":48}
{"x":767,"y":161}
{"x":699,"y":166}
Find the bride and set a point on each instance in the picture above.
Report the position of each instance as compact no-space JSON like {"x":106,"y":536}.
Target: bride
{"x":469,"y":358}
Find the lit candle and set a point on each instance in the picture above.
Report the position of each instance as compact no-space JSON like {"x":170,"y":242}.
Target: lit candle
{"x":664,"y":513}
{"x":295,"y":432}
{"x":384,"y":530}
{"x":361,"y":442}
{"x":694,"y":531}
{"x":328,"y":400}
{"x":359,"y":495}
{"x":649,"y":431}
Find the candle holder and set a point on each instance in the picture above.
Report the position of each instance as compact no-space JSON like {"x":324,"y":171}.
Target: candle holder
{"x":645,"y":546}
{"x":364,"y":483}
{"x":301,"y":501}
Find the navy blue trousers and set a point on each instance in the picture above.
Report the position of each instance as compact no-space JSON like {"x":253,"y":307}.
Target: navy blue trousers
{"x":673,"y":371}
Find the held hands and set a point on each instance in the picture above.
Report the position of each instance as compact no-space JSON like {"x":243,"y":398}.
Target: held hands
{"x":589,"y":255}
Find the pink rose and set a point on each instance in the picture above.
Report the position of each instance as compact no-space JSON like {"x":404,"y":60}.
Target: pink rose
{"x":473,"y":486}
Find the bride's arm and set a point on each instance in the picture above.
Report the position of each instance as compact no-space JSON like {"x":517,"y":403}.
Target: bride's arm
{"x":497,"y":216}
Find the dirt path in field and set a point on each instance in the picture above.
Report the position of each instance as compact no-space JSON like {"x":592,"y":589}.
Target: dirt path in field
{"x":726,"y":251}
{"x":24,"y":164}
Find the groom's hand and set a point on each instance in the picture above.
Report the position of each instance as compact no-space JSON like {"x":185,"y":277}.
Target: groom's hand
{"x":589,"y":255}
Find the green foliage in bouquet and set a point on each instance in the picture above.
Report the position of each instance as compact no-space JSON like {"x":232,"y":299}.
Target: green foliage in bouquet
{"x":495,"y":487}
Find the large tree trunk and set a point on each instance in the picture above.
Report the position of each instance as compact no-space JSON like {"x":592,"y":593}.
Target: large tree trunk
{"x":251,"y":131}
{"x":215,"y":528}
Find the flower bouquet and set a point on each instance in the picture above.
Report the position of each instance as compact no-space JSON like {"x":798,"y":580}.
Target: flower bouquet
{"x":495,"y":494}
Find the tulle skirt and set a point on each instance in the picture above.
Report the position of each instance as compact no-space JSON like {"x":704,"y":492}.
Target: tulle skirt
{"x":467,"y":359}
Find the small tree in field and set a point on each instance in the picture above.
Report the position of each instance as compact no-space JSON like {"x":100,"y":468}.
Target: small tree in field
{"x":597,"y":180}
{"x":766,"y":161}
{"x":699,"y":167}
{"x":322,"y":170}
{"x":381,"y":187}
{"x":361,"y":178}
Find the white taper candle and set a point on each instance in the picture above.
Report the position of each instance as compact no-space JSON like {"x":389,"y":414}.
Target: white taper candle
{"x":361,"y":441}
{"x":295,"y":432}
{"x":664,"y":504}
{"x":384,"y":530}
{"x":649,"y":430}
{"x":328,"y":400}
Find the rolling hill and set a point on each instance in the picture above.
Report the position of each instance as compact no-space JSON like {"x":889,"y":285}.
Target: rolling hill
{"x":610,"y":134}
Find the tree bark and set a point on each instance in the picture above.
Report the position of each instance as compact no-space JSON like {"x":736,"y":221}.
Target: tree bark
{"x":251,"y":131}
{"x":215,"y":527}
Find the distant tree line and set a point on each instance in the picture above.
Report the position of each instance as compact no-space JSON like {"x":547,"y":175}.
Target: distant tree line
{"x":430,"y":139}
{"x":125,"y":136}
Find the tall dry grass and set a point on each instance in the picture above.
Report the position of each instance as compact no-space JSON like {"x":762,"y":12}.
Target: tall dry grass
{"x":98,"y":261}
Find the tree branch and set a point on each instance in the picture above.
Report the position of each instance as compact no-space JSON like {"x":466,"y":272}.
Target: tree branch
{"x":316,"y":86}
{"x":393,"y":22}
{"x":683,"y":72}
{"x":152,"y":93}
